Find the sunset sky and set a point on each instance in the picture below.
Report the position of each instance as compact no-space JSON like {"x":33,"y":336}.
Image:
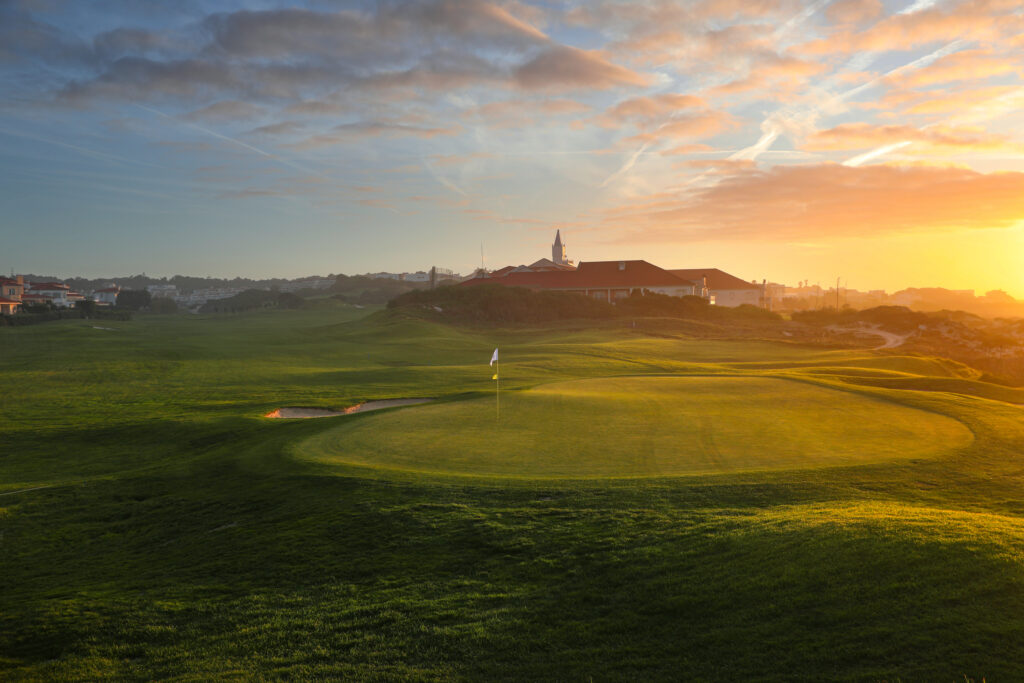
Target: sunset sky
{"x":876,"y":140}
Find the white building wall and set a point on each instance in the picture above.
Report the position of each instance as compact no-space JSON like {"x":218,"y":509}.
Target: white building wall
{"x":673,"y":291}
{"x":736,"y":297}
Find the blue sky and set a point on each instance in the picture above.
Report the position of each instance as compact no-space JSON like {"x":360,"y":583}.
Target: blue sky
{"x":777,"y":139}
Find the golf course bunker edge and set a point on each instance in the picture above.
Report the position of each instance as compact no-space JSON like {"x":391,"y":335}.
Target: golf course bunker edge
{"x":642,"y":427}
{"x":310,"y":413}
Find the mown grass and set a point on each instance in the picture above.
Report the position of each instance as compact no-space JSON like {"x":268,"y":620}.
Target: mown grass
{"x":641,"y":427}
{"x":181,"y":538}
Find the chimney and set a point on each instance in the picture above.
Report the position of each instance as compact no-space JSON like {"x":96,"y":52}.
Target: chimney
{"x":21,"y":280}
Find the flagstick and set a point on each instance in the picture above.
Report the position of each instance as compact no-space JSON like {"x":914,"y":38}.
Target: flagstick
{"x":497,"y":387}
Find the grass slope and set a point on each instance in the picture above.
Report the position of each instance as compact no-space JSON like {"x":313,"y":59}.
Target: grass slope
{"x":178,"y":537}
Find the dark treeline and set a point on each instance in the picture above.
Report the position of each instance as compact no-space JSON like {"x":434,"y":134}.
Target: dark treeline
{"x":253,"y":299}
{"x":352,"y":288}
{"x":892,"y":318}
{"x":46,"y":314}
{"x":499,"y":304}
{"x":359,"y":289}
{"x":184,"y":283}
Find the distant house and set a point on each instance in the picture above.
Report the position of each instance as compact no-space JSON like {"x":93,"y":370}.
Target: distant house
{"x":28,"y":299}
{"x":165,"y":291}
{"x":107,"y":296}
{"x":602,"y":280}
{"x":12,"y":288}
{"x":724,"y":289}
{"x":9,"y":306}
{"x":54,"y":292}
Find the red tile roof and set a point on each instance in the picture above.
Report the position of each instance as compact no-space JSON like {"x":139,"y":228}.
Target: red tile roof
{"x":717,"y":279}
{"x":590,"y":275}
{"x":48,"y":286}
{"x":5,"y":300}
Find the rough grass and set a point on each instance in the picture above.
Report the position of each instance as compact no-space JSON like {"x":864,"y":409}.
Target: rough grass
{"x":179,"y":538}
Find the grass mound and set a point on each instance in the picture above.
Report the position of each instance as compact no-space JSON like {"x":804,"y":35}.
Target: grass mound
{"x":643,"y":427}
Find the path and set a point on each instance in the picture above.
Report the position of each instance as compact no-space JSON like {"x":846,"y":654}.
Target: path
{"x":892,"y":340}
{"x":11,"y":493}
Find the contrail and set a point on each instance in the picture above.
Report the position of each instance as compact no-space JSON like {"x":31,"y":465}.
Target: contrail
{"x":630,"y":163}
{"x":441,"y":179}
{"x":918,"y":6}
{"x":800,"y":18}
{"x":912,"y":66}
{"x":85,"y":151}
{"x":962,"y":118}
{"x":244,"y":145}
{"x":875,"y":153}
{"x":770,"y":132}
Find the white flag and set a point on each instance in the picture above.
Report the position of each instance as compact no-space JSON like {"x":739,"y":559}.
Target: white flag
{"x":494,"y":358}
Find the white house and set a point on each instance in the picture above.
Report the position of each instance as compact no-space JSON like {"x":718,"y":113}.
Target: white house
{"x":725,"y":289}
{"x":107,"y":296}
{"x":54,"y":292}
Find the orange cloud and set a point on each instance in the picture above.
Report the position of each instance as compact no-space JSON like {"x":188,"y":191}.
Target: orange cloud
{"x":692,"y":126}
{"x":693,"y":148}
{"x":963,"y":20}
{"x":522,"y":112}
{"x":646,"y":109}
{"x":973,"y":65}
{"x":853,"y":11}
{"x":935,"y":139}
{"x":561,"y":66}
{"x":771,"y":69}
{"x":944,"y":102}
{"x":830,"y":200}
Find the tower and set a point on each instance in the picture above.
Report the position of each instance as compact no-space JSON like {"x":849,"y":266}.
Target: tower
{"x":558,"y":250}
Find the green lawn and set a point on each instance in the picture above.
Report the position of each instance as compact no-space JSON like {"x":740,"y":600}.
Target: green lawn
{"x":649,"y":508}
{"x":641,"y":427}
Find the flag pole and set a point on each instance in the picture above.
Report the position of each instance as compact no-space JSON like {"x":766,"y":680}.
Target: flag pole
{"x":497,"y":390}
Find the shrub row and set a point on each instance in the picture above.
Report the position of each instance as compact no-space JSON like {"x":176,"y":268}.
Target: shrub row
{"x":500,"y":304}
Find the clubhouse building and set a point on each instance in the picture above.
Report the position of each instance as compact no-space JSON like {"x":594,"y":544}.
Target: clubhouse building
{"x":614,"y":280}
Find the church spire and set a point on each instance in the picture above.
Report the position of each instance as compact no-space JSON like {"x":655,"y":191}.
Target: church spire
{"x":558,"y":249}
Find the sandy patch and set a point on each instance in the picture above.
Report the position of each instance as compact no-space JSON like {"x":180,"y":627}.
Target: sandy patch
{"x":892,"y":340}
{"x":303,"y":413}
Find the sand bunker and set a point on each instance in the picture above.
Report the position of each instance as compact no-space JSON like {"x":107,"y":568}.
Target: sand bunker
{"x":301,"y":413}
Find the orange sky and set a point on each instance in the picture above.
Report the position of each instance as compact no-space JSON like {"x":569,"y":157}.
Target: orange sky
{"x":877,"y":140}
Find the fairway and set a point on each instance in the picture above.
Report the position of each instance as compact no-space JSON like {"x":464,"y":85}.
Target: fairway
{"x":647,"y":507}
{"x":642,"y":427}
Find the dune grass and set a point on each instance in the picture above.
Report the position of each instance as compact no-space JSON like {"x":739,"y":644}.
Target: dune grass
{"x":182,"y":536}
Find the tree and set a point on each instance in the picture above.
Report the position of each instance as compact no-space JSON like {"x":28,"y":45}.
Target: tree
{"x":163,"y":305}
{"x":87,"y":307}
{"x":289,"y":300}
{"x":133,"y":299}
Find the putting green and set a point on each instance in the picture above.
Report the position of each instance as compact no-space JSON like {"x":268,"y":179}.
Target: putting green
{"x":641,"y":427}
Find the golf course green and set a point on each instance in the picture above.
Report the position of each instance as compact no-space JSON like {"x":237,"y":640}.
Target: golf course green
{"x":642,"y":427}
{"x":649,"y":506}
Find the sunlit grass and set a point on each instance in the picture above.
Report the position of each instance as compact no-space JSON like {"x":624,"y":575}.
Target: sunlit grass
{"x":641,"y":427}
{"x":183,"y":536}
